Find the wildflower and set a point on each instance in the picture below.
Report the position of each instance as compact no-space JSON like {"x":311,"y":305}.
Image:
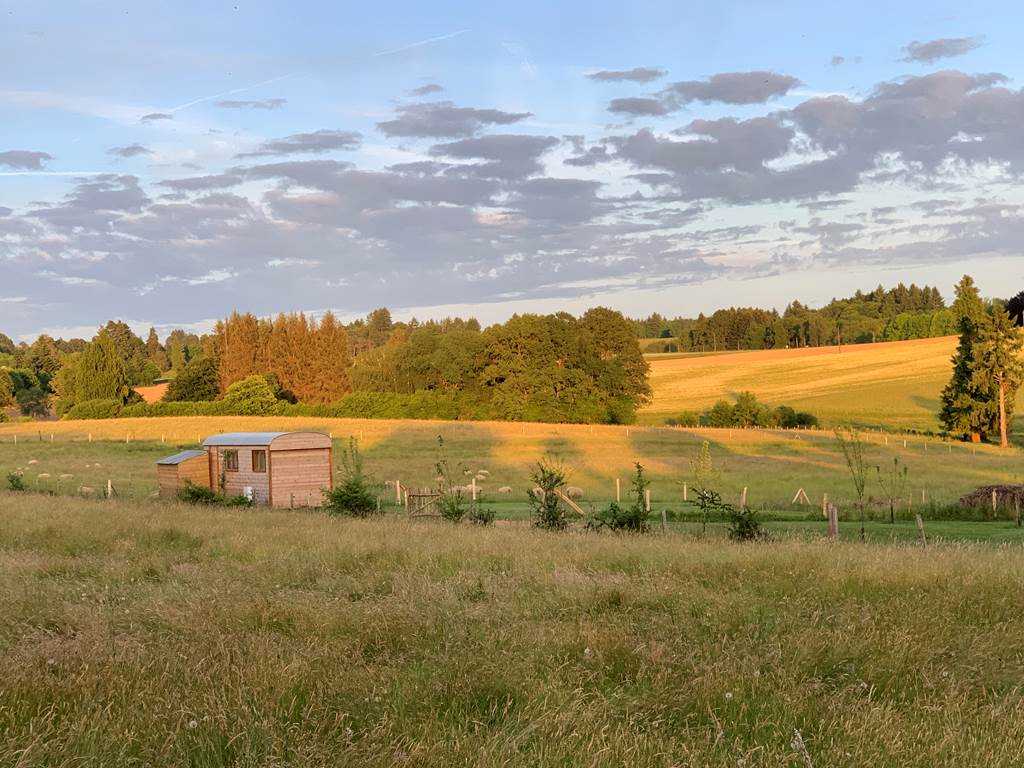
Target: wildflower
{"x":192,"y":725}
{"x":728,"y":695}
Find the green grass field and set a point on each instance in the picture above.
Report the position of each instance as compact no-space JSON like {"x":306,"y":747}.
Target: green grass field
{"x":772,"y":465}
{"x":173,"y":636}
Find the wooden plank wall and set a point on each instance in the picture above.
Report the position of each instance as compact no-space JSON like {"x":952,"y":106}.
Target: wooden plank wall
{"x":235,"y":482}
{"x":300,"y":475}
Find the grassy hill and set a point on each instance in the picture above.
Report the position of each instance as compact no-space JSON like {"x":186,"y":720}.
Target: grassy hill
{"x":893,"y":385}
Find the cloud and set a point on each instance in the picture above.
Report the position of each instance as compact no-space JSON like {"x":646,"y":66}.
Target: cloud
{"x":71,"y":280}
{"x":324,"y":140}
{"x":198,"y":183}
{"x":153,"y":116}
{"x":755,"y":87}
{"x":257,"y":104}
{"x":638,"y":105}
{"x":442,"y":120}
{"x":837,"y":60}
{"x":426,"y":90}
{"x":132,"y":150}
{"x":635,"y":75}
{"x":24,"y":159}
{"x":943,"y":48}
{"x":509,"y":156}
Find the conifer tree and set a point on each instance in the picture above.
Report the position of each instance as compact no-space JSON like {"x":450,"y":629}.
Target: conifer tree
{"x":101,"y":372}
{"x":998,"y":366}
{"x":967,"y":410}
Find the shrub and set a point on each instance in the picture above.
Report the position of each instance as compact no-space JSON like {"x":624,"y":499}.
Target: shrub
{"x":632,"y":518}
{"x":352,"y":495}
{"x":15,"y":481}
{"x":199,"y":494}
{"x":34,"y":402}
{"x":546,"y":509}
{"x":743,"y":523}
{"x":94,"y":409}
{"x":684,"y":419}
{"x":252,"y":396}
{"x":479,"y":514}
{"x":451,"y":500}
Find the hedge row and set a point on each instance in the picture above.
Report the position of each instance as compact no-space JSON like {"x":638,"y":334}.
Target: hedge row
{"x":373,"y":405}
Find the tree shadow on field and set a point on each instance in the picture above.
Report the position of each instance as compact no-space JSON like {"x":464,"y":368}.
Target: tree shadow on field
{"x":930,"y":404}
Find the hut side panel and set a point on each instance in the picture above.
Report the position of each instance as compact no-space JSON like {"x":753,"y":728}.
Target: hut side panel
{"x":236,"y":481}
{"x":172,"y":477}
{"x":299,"y":476}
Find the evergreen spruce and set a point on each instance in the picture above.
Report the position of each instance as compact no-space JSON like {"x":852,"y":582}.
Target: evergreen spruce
{"x":967,"y":409}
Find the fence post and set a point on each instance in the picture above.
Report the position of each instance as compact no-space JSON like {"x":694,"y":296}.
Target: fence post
{"x":685,"y":491}
{"x":920,"y":530}
{"x":647,"y":500}
{"x":618,"y":490}
{"x":824,"y":506}
{"x":664,"y":521}
{"x":995,"y":500}
{"x":110,"y":489}
{"x":833,"y":522}
{"x":472,"y":488}
{"x":398,"y":491}
{"x":743,"y":499}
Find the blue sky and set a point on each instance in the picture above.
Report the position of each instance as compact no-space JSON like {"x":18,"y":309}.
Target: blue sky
{"x":169,"y":163}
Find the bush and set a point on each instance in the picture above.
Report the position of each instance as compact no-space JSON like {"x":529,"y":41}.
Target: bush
{"x":632,"y":518}
{"x":252,"y":396}
{"x":15,"y":481}
{"x":199,"y":494}
{"x":34,"y":402}
{"x":546,"y":509}
{"x":94,"y":409}
{"x":684,"y":419}
{"x":451,"y":500}
{"x":480,"y":515}
{"x":743,"y":524}
{"x":352,"y":496}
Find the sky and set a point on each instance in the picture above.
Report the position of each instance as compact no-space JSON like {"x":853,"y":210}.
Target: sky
{"x":167,"y":163}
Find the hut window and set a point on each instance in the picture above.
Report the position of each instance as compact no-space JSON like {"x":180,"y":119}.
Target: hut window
{"x":231,"y":461}
{"x":259,"y":461}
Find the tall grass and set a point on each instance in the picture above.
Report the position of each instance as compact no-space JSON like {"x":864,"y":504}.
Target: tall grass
{"x":174,"y":636}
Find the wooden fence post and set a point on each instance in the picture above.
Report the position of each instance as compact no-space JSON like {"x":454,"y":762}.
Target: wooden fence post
{"x":618,"y":490}
{"x":824,"y":506}
{"x":920,"y":530}
{"x":472,"y":488}
{"x":110,"y":489}
{"x":833,"y":522}
{"x":398,"y":491}
{"x":685,"y":491}
{"x":743,"y":499}
{"x":647,"y":500}
{"x":995,"y":500}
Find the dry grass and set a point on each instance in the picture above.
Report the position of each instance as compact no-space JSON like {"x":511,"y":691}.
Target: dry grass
{"x":181,"y":637}
{"x":894,"y":385}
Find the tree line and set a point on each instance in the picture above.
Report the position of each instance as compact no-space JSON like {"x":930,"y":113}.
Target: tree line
{"x":897,"y":314}
{"x":532,"y":367}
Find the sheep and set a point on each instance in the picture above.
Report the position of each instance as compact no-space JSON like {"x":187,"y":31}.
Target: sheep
{"x":574,"y":492}
{"x":33,"y":461}
{"x":66,"y":476}
{"x":43,"y":476}
{"x":505,"y":490}
{"x":85,"y":490}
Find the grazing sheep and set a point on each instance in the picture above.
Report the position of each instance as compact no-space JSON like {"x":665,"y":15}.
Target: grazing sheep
{"x":505,"y":490}
{"x":43,"y":476}
{"x":483,"y":472}
{"x":33,"y":461}
{"x":66,"y":476}
{"x":478,"y":477}
{"x":85,"y":490}
{"x":574,"y":492}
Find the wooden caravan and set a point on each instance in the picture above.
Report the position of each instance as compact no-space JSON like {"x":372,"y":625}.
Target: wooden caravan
{"x":282,"y":469}
{"x":187,"y":466}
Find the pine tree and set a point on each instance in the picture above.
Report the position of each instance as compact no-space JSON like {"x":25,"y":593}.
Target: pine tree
{"x":101,"y":372}
{"x":967,"y":411}
{"x":998,"y":366}
{"x":154,"y":352}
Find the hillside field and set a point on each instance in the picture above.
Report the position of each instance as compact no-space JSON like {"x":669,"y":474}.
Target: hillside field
{"x":135,"y":635}
{"x":894,"y":385}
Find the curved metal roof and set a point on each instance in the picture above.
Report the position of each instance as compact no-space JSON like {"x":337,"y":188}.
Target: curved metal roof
{"x":180,"y":457}
{"x":243,"y":438}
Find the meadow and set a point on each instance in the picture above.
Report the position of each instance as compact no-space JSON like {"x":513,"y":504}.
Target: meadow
{"x":772,"y":464}
{"x":169,"y":635}
{"x":893,"y":385}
